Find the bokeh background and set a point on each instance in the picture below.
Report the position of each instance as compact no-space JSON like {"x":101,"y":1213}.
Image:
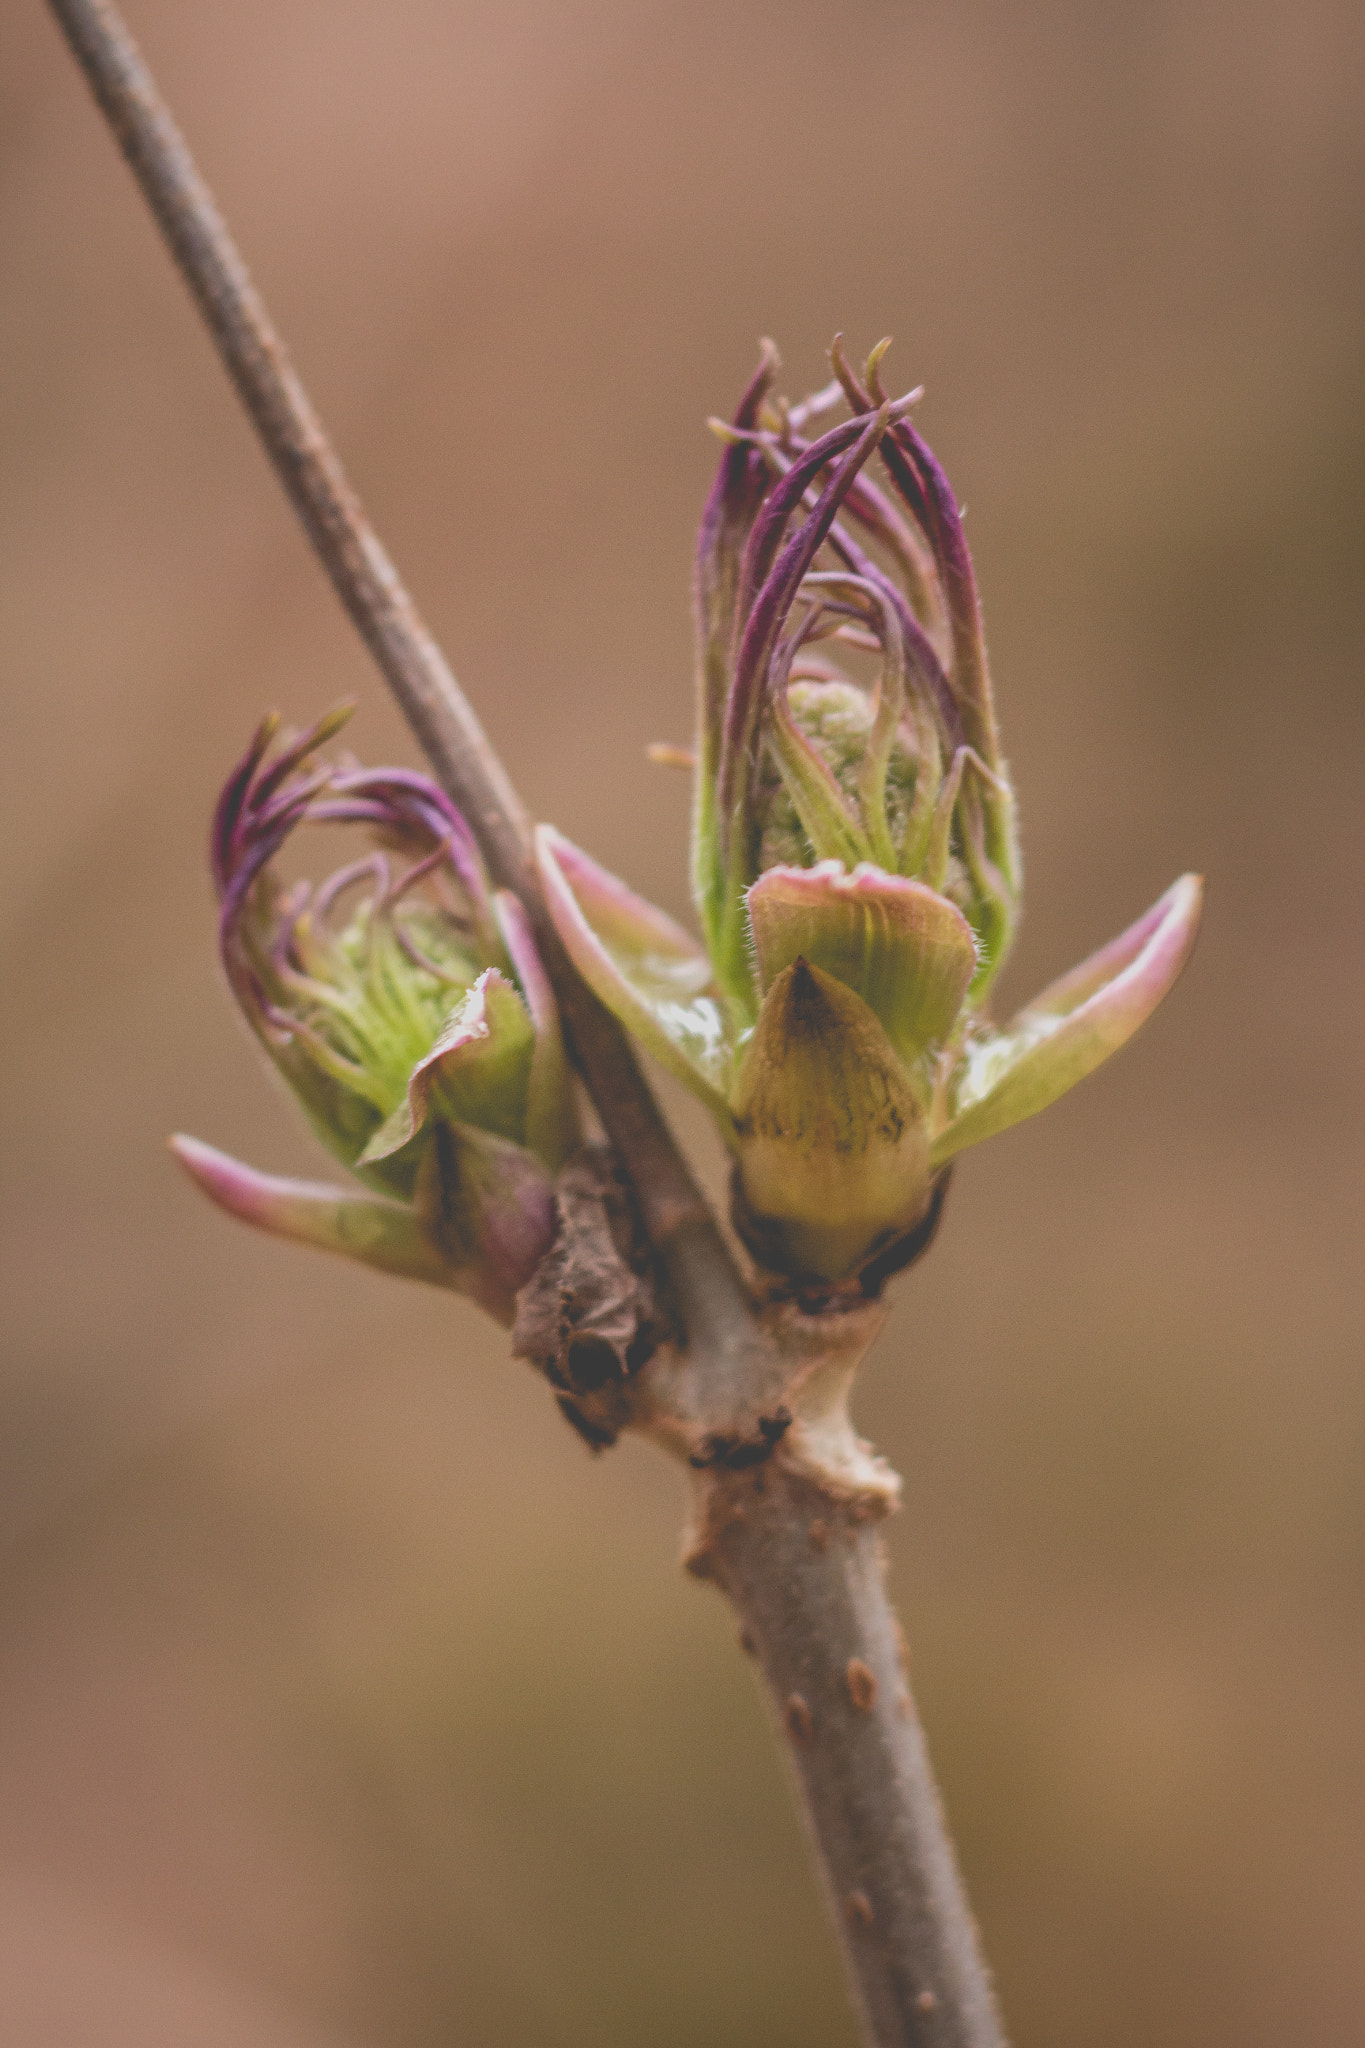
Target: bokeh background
{"x":343,"y":1698}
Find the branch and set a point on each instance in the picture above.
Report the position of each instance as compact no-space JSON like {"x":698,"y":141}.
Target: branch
{"x":806,"y":1575}
{"x":710,"y":1292}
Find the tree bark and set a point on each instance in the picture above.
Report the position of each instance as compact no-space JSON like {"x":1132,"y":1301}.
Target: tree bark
{"x":806,"y":1575}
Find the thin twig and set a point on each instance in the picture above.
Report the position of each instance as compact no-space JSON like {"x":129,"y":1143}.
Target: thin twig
{"x":806,"y":1576}
{"x":680,"y":1226}
{"x":816,"y":1609}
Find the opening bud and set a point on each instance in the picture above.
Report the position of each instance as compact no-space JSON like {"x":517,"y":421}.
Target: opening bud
{"x":854,"y":851}
{"x":403,"y":1002}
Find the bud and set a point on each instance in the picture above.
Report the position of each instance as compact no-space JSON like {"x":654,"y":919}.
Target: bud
{"x":831,"y":1134}
{"x":855,"y":855}
{"x":405,"y":1005}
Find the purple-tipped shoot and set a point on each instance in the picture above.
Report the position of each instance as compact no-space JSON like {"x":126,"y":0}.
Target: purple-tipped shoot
{"x":855,"y":856}
{"x":404,"y":1003}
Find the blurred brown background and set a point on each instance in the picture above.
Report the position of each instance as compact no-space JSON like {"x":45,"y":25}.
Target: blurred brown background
{"x":343,"y":1699}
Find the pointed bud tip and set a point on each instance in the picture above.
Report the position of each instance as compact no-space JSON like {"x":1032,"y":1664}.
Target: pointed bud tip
{"x":808,"y":1011}
{"x":797,"y":1006}
{"x":237,"y":1188}
{"x":872,"y":369}
{"x":331,"y":722}
{"x":803,"y":1002}
{"x":192,"y":1154}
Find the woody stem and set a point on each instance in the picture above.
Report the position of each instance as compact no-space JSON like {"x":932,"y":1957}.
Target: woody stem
{"x":806,"y":1575}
